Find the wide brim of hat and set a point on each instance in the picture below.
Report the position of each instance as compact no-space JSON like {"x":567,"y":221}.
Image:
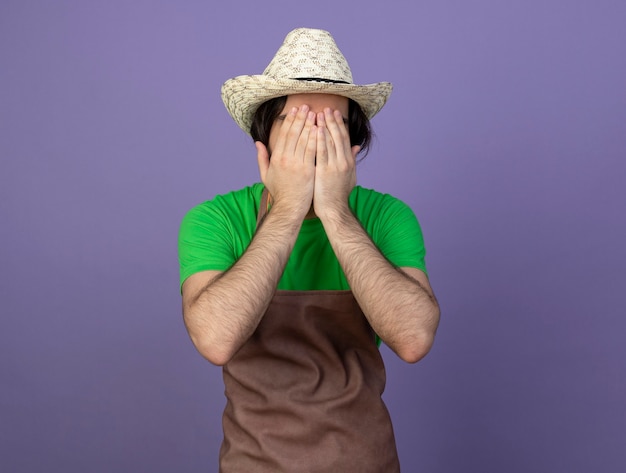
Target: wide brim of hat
{"x":243,"y":95}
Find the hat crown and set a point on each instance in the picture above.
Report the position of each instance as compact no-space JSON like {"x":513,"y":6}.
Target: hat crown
{"x":310,"y":54}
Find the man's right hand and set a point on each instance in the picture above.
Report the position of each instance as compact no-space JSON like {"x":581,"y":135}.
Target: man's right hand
{"x":222,"y":309}
{"x":290,"y":173}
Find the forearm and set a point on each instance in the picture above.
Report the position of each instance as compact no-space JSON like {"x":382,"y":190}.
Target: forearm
{"x":223,"y":314}
{"x":401,"y":311}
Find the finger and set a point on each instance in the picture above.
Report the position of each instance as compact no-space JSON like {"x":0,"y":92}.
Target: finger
{"x":321,"y":157}
{"x":321,"y":120}
{"x":279,"y":149}
{"x":338,"y":132}
{"x":326,"y":138}
{"x":295,"y":130}
{"x":331,"y":146}
{"x":302,"y":148}
{"x":311,"y":147}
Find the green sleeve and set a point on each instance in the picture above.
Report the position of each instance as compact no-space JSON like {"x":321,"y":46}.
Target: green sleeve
{"x":393,"y":227}
{"x":403,"y":244}
{"x":203,"y":242}
{"x":214,"y":234}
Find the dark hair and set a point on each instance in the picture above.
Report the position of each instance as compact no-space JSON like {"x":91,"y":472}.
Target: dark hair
{"x":358,"y":123}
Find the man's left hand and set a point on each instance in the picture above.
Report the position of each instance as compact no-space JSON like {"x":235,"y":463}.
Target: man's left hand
{"x":335,"y":167}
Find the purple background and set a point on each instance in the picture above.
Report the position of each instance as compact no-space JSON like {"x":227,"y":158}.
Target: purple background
{"x":506,"y":133}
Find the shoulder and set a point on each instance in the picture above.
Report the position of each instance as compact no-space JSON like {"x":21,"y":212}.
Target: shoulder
{"x":368,"y":204}
{"x":384,"y":217}
{"x":233,"y":204}
{"x":392,"y":226}
{"x":215,"y":233}
{"x":229,"y":215}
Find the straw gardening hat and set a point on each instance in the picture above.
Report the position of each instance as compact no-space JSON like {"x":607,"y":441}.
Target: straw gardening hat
{"x":308,"y":61}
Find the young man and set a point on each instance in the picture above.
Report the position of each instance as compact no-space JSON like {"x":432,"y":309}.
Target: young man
{"x":289,"y":283}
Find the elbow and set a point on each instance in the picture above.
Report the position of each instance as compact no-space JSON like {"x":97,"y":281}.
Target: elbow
{"x":207,"y":343}
{"x":215,"y":353}
{"x":218,"y":359}
{"x":416,"y":349}
{"x":419,"y":344}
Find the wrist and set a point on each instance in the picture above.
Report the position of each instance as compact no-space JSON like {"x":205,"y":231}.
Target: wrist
{"x":287,"y":211}
{"x":336,"y":215}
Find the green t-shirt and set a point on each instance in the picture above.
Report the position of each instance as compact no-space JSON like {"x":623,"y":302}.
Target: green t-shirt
{"x":214,"y":235}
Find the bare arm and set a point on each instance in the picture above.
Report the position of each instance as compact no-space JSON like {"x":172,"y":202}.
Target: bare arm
{"x":398,"y":302}
{"x":222,"y":310}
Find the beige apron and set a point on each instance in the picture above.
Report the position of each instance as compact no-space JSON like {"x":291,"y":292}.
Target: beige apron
{"x":304,"y":392}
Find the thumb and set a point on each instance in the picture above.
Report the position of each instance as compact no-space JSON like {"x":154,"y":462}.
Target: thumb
{"x":263,"y":159}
